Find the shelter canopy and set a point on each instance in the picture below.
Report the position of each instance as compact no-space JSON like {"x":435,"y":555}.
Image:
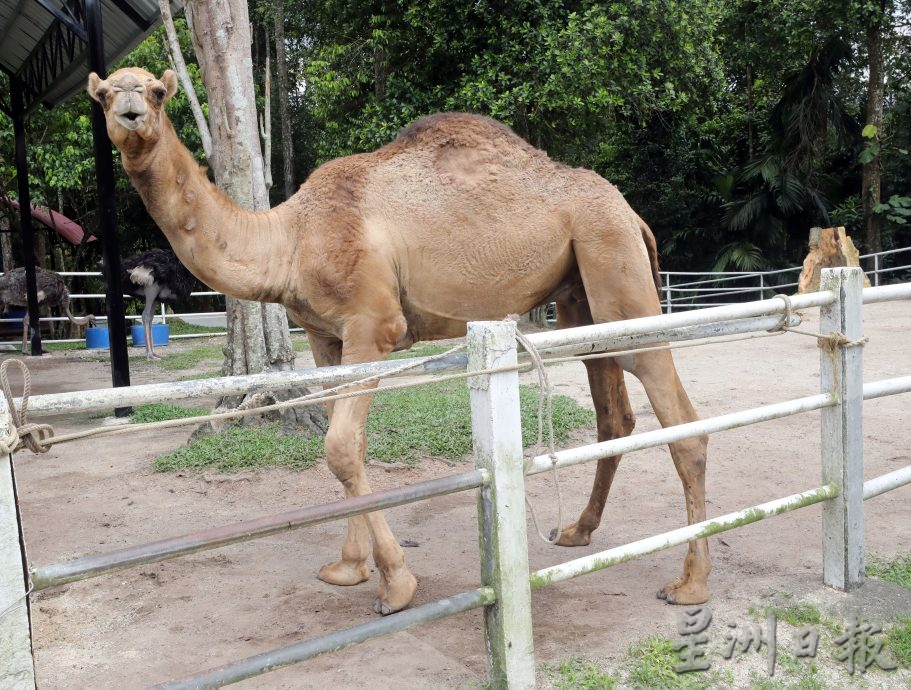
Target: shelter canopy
{"x":44,"y":43}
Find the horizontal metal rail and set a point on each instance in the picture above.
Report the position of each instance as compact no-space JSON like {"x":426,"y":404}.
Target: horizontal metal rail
{"x":216,"y":537}
{"x":660,"y":437}
{"x":659,"y":542}
{"x":887,"y":482}
{"x":301,"y":651}
{"x":103,"y":398}
{"x":887,"y":293}
{"x":599,"y":333}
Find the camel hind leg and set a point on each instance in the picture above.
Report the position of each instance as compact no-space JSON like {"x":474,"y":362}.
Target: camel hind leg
{"x":618,"y":280}
{"x":614,"y":417}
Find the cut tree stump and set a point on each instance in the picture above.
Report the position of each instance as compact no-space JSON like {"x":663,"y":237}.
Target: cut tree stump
{"x":829,"y":247}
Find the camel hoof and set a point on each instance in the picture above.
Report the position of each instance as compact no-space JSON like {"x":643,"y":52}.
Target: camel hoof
{"x":395,"y":593}
{"x":684,"y":594}
{"x":572,"y":536}
{"x":344,"y":573}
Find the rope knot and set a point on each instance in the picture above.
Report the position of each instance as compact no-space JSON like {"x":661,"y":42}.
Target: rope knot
{"x":785,"y":320}
{"x":21,"y":432}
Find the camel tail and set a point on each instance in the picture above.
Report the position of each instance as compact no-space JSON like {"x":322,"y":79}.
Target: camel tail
{"x":652,"y":248}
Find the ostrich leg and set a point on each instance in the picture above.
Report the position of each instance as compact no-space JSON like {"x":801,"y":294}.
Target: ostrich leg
{"x":25,"y":333}
{"x":151,"y":292}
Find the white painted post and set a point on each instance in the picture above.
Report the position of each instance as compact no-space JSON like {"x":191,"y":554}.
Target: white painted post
{"x":17,"y":669}
{"x":497,"y":434}
{"x":667,"y":293}
{"x":841,"y":371}
{"x":761,"y":286}
{"x":876,"y":270}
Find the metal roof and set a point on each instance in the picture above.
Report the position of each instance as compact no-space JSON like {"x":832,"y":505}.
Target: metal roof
{"x":43,"y":42}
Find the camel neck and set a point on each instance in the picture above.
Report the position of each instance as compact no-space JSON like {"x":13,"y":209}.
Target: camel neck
{"x":242,"y":253}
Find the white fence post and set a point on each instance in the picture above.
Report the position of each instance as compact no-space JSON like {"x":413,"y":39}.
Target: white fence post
{"x":497,"y":434}
{"x":667,"y":293}
{"x":841,"y":371}
{"x":16,"y":664}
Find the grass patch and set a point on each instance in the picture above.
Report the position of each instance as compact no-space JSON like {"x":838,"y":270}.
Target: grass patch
{"x":158,"y":412}
{"x":423,"y":350}
{"x":433,"y":420}
{"x":436,"y":419}
{"x":188,"y":359}
{"x":650,"y":664}
{"x":181,"y":327}
{"x":300,"y":344}
{"x":897,"y":571}
{"x":241,"y":448}
{"x":797,"y":615}
{"x":57,"y":347}
{"x":579,"y":674}
{"x":214,"y":373}
{"x":898,"y":642}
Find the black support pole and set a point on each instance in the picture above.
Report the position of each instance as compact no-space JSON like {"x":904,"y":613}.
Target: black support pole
{"x":107,"y":205}
{"x":25,"y":215}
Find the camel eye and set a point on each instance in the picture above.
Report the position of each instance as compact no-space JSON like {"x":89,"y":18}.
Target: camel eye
{"x":159,"y":93}
{"x":102,"y":94}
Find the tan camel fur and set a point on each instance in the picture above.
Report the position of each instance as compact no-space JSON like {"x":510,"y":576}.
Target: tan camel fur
{"x":457,"y":219}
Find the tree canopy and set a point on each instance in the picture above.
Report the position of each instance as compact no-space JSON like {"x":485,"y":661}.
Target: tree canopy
{"x":732,"y":127}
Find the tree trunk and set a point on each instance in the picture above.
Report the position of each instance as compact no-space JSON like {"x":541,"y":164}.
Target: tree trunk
{"x":281,"y":67}
{"x":258,"y":336}
{"x":872,"y":171}
{"x":6,"y":242}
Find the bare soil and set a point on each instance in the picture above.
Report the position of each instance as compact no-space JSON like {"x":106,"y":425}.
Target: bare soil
{"x":149,"y":624}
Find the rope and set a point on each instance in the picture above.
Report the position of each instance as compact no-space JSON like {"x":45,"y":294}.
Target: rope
{"x":545,"y":412}
{"x":34,"y":436}
{"x":16,"y":603}
{"x":828,"y":342}
{"x":247,"y":408}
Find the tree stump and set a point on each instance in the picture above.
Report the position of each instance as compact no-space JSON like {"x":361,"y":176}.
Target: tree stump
{"x":829,"y":247}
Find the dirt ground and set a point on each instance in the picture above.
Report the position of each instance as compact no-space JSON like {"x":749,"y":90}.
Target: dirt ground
{"x":172,"y":619}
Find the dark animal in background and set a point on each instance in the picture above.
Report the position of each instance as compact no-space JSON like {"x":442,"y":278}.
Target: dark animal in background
{"x":156,"y":275}
{"x":52,"y":292}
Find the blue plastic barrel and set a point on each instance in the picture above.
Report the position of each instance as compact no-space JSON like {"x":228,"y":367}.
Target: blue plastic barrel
{"x":160,"y":332}
{"x":97,"y":338}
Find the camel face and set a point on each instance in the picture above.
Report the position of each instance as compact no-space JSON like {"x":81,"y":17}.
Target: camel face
{"x":132,"y":100}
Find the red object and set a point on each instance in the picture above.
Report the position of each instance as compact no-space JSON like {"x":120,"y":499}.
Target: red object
{"x":68,"y":229}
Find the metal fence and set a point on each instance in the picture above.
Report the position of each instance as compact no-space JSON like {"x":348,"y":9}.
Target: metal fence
{"x":694,"y":290}
{"x":506,"y":583}
{"x":681,"y":290}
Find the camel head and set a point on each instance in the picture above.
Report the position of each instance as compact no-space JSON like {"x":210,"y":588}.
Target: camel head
{"x":133,"y":103}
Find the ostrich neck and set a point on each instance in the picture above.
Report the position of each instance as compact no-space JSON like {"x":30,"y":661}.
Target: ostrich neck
{"x":241,"y":253}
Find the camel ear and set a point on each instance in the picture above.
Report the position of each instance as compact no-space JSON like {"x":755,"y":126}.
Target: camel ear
{"x":169,"y":79}
{"x":93,"y":88}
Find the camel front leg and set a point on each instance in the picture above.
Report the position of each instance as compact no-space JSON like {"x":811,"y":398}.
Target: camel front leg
{"x":346,"y":450}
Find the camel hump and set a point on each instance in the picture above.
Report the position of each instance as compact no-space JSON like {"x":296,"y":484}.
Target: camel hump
{"x":458,"y":129}
{"x":651,"y":246}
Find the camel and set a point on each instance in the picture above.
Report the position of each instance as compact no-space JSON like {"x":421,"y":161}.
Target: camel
{"x":457,"y":219}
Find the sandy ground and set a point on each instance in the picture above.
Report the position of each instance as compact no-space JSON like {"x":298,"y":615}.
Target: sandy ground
{"x":171,"y":619}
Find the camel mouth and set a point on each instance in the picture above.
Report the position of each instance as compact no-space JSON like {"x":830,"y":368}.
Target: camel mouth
{"x":130,"y":120}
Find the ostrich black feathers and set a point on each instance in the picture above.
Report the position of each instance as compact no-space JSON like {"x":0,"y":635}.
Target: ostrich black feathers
{"x":161,"y":268}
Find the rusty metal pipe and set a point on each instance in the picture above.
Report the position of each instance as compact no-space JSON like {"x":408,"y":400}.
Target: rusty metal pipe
{"x":92,"y":566}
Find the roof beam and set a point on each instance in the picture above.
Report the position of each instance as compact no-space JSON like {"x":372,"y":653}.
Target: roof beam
{"x":65,"y":17}
{"x":17,"y":12}
{"x":134,"y":16}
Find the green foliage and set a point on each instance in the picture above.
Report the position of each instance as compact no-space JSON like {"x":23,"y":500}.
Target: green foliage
{"x":650,"y":664}
{"x":185,"y":359}
{"x":158,"y":412}
{"x":242,"y":448}
{"x":898,"y":642}
{"x":431,"y":420}
{"x":579,"y":674}
{"x":897,"y":571}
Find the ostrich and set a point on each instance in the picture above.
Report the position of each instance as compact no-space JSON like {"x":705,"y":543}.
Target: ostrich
{"x":155,"y":274}
{"x":51,"y":292}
